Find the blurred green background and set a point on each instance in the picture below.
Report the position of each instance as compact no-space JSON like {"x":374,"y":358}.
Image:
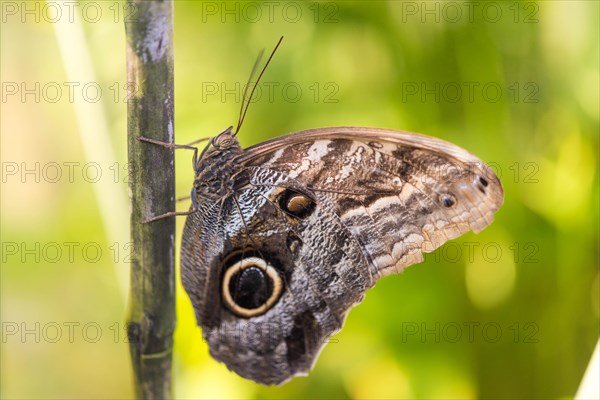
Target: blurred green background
{"x":510,"y":313}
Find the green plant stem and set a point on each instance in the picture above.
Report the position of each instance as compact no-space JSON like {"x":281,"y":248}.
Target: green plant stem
{"x":151,"y":320}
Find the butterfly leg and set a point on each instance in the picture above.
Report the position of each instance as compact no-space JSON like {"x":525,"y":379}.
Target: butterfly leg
{"x":194,"y":160}
{"x":177,"y":213}
{"x":169,"y":214}
{"x":177,"y":146}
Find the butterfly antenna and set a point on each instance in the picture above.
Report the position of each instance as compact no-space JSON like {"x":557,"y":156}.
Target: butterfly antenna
{"x":254,"y":68}
{"x":246,"y":103}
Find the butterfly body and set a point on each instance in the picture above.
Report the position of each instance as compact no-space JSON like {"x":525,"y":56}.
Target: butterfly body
{"x":289,"y":234}
{"x":215,"y":167}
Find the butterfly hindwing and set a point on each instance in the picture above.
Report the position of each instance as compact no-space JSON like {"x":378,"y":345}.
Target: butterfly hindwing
{"x":322,"y":270}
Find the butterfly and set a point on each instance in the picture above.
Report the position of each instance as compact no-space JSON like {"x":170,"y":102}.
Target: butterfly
{"x":283,"y":238}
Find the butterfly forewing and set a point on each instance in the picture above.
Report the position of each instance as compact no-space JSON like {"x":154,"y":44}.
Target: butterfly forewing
{"x":399,"y":194}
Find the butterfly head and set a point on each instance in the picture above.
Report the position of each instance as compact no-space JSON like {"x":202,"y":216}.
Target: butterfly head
{"x":225,"y":140}
{"x":219,"y":146}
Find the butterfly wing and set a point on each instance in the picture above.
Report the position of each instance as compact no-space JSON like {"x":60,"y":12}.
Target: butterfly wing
{"x":322,"y":271}
{"x":399,"y":194}
{"x":331,"y":211}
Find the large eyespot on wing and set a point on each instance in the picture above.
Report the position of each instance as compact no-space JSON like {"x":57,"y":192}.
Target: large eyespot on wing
{"x":400,"y":194}
{"x":250,"y":287}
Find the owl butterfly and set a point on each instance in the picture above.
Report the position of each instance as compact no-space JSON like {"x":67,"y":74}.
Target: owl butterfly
{"x":285,"y":237}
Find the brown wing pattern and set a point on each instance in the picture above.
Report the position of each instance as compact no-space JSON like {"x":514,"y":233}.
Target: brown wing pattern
{"x":399,"y":194}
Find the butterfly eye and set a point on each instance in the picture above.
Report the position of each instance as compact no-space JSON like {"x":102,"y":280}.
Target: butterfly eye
{"x":296,"y":204}
{"x":224,"y":140}
{"x":225,"y":143}
{"x":251,"y":287}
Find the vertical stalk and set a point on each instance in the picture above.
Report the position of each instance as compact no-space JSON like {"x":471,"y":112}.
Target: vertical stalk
{"x":151,"y":321}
